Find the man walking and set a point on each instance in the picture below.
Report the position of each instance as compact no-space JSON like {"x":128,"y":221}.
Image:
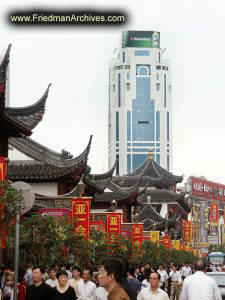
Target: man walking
{"x":175,"y":283}
{"x":85,"y":289}
{"x":153,"y":292}
{"x":164,"y":277}
{"x":186,"y":271}
{"x":199,"y":285}
{"x":38,"y":290}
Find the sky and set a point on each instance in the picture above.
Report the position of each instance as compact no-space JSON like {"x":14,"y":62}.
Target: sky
{"x":76,"y":59}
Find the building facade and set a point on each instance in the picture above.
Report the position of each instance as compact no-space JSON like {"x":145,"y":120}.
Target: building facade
{"x":139,"y":117}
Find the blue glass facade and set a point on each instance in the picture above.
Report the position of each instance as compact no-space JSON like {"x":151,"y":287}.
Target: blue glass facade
{"x":158,"y":158}
{"x":165,"y":90}
{"x":118,"y":164}
{"x":128,"y":163}
{"x":138,"y":160}
{"x":117,"y":126}
{"x":168,"y":127}
{"x":141,"y":53}
{"x":168,"y":162}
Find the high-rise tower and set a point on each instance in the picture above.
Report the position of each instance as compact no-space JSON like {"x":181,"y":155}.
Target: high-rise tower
{"x":139,"y":117}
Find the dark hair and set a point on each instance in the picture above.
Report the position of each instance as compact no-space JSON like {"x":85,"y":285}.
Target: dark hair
{"x":67,"y":266}
{"x":147,"y":273}
{"x":131,"y":270}
{"x":76,"y":268}
{"x":89,"y":270}
{"x":60,"y":273}
{"x":200,"y":265}
{"x":42,"y":269}
{"x":113,"y":266}
{"x":124,"y":262}
{"x":159,"y":276}
{"x":51,"y":269}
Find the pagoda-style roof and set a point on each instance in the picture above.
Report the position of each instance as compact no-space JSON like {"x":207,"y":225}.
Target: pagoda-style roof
{"x":18,"y":122}
{"x":98,"y":182}
{"x":115,"y":192}
{"x":166,"y":196}
{"x":153,"y":170}
{"x":127,"y":181}
{"x":44,"y":169}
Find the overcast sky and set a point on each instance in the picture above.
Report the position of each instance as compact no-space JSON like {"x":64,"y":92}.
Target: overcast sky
{"x":75,"y":60}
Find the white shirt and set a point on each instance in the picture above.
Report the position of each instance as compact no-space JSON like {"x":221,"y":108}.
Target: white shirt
{"x":147,"y":294}
{"x":101,"y":293}
{"x":145,"y":284}
{"x":69,"y":274}
{"x":200,"y":286}
{"x":85,"y":291}
{"x":164,"y":275}
{"x":72,"y":282}
{"x":186,"y":271}
{"x":175,"y":276}
{"x":52,"y":283}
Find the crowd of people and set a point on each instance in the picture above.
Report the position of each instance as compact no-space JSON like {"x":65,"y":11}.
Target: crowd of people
{"x":113,"y":279}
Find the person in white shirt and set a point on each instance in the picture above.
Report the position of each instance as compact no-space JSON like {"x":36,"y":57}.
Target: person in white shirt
{"x":101,"y":293}
{"x":145,"y":283}
{"x":67,"y":268}
{"x":175,"y":283}
{"x":153,"y":292}
{"x":85,"y":290}
{"x":199,"y":286}
{"x":186,"y":271}
{"x":164,"y":278}
{"x":76,"y":277}
{"x":52,"y":281}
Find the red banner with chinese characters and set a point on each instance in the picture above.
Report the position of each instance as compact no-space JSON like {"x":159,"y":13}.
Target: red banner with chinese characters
{"x":186,"y":231}
{"x":166,"y":241}
{"x":113,"y":228}
{"x":3,"y":175}
{"x":81,"y":216}
{"x":214,"y":214}
{"x":137,"y":232}
{"x":98,"y":225}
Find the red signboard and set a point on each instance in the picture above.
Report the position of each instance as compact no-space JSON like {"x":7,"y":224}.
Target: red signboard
{"x":182,"y":247}
{"x":55,"y":212}
{"x":207,"y":189}
{"x":113,"y":227}
{"x":214,"y":214}
{"x":166,"y":241}
{"x":3,"y":175}
{"x":187,"y":231}
{"x":98,"y":225}
{"x":137,"y":232}
{"x":81,"y":215}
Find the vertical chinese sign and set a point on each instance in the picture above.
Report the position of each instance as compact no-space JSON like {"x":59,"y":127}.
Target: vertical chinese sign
{"x":187,"y":231}
{"x":137,"y":232}
{"x":166,"y":241}
{"x":154,"y":236}
{"x":3,"y":175}
{"x":113,"y":230}
{"x":81,"y":216}
{"x":203,"y":226}
{"x":214,"y":214}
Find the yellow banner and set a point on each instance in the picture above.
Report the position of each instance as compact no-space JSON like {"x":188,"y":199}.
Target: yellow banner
{"x":154,"y":236}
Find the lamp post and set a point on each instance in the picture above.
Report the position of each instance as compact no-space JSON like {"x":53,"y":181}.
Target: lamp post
{"x":81,"y":187}
{"x":113,"y":205}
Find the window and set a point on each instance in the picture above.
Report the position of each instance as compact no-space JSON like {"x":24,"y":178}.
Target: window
{"x":159,"y":57}
{"x":143,"y":122}
{"x":143,"y":70}
{"x":158,"y":159}
{"x":117,"y":165}
{"x":158,"y":126}
{"x":127,"y":67}
{"x":157,"y":150}
{"x":169,"y":88}
{"x":141,"y":53}
{"x":164,"y":90}
{"x":157,"y":87}
{"x":157,"y":145}
{"x":141,"y":150}
{"x":128,"y":76}
{"x":119,"y":90}
{"x":117,"y":126}
{"x":128,"y":86}
{"x":158,"y":67}
{"x":168,"y":150}
{"x":123,"y":57}
{"x":164,"y":68}
{"x":157,"y":76}
{"x":118,"y":67}
{"x":138,"y":160}
{"x":113,"y":87}
{"x":168,"y":127}
{"x":128,"y":163}
{"x":144,"y":144}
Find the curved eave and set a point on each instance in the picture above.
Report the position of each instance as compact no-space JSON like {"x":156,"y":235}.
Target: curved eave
{"x":4,"y":65}
{"x":98,"y":186}
{"x":29,"y":116}
{"x":128,"y":181}
{"x":105,"y":175}
{"x":43,"y":154}
{"x":107,"y":197}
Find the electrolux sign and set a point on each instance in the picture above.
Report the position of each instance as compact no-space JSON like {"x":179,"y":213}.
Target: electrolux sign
{"x":141,"y":39}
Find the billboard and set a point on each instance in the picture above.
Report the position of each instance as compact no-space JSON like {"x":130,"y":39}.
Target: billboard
{"x":206,"y":189}
{"x":141,"y":39}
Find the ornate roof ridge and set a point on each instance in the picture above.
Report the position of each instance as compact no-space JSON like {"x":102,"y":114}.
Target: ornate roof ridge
{"x":167,"y":173}
{"x":105,"y":175}
{"x":41,"y":153}
{"x":4,"y":65}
